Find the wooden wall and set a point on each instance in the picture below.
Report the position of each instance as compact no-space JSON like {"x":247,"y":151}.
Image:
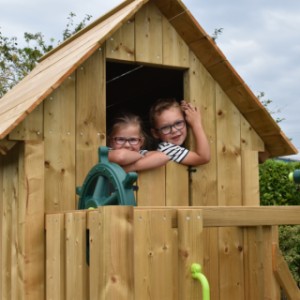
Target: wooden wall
{"x":58,"y":145}
{"x":21,"y":222}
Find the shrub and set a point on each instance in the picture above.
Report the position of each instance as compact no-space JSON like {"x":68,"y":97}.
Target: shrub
{"x":277,"y":189}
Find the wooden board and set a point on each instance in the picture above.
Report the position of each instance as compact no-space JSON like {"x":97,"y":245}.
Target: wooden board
{"x":59,"y":135}
{"x":272,"y":288}
{"x":254,"y":263}
{"x":250,"y":216}
{"x":31,"y":218}
{"x":199,"y":89}
{"x":231,"y":264}
{"x":8,"y":236}
{"x":76,"y":267}
{"x":211,"y":260}
{"x":1,"y":220}
{"x":152,"y":187}
{"x":114,"y":235}
{"x":154,"y":255}
{"x":55,"y":257}
{"x":95,"y":226}
{"x":90,"y":114}
{"x":177,"y":185}
{"x":121,"y":44}
{"x":228,"y":151}
{"x":148,"y":34}
{"x":190,"y":249}
{"x":249,"y":138}
{"x":31,"y":128}
{"x":175,"y":50}
{"x":250,"y":178}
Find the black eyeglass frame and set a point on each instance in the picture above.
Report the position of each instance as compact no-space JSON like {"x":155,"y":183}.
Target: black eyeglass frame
{"x":178,"y":125}
{"x":120,"y":140}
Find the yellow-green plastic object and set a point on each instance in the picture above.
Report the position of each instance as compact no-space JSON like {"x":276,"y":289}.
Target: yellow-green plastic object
{"x":197,"y":274}
{"x":106,"y":184}
{"x":295,"y":176}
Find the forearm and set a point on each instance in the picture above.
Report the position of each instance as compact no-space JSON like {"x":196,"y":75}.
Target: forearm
{"x":201,"y":155}
{"x":152,"y":160}
{"x":123,"y":157}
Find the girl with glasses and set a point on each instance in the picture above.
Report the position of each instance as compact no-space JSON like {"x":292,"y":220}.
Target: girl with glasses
{"x":126,"y":140}
{"x":169,"y":121}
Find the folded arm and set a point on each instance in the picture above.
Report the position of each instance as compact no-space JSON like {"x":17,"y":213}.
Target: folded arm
{"x":153,"y":159}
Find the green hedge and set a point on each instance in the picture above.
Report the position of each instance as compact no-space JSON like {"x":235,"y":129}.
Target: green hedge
{"x":277,"y":189}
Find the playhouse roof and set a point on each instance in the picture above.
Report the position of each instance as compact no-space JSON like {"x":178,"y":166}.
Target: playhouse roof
{"x":60,"y":63}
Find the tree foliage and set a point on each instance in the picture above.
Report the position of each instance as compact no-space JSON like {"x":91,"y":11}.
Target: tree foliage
{"x":17,"y":61}
{"x":275,"y":186}
{"x":277,"y":189}
{"x":266,"y":103}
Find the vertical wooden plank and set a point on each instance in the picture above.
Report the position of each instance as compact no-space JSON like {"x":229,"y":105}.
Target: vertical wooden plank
{"x":254,"y":263}
{"x":31,"y":128}
{"x":250,"y":178}
{"x":229,"y":193}
{"x":8,"y":235}
{"x":96,"y":245}
{"x":76,"y":267}
{"x":199,"y":89}
{"x":148,"y":34}
{"x":175,"y":50}
{"x":1,"y":220}
{"x":115,"y":261}
{"x":22,"y":204}
{"x":121,"y":44}
{"x":177,"y":185}
{"x":154,"y":255}
{"x":16,"y":288}
{"x":190,"y":248}
{"x":228,"y":151}
{"x":271,"y":286}
{"x":152,"y":187}
{"x":90,"y":113}
{"x":211,"y":260}
{"x":251,"y":144}
{"x":55,"y":257}
{"x":27,"y":229}
{"x":249,"y":138}
{"x":31,"y":215}
{"x":231,"y":263}
{"x":60,"y":147}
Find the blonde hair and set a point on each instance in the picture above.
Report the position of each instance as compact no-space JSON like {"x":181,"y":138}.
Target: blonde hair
{"x":161,"y":105}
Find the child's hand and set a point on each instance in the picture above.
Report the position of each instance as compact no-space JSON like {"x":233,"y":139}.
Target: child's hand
{"x":192,"y":116}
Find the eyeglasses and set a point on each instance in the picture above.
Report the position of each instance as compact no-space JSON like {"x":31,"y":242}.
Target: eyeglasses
{"x":168,"y":128}
{"x":122,"y":140}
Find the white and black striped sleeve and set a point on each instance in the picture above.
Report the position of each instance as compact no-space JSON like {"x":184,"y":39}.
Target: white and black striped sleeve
{"x":143,"y":152}
{"x":175,"y":152}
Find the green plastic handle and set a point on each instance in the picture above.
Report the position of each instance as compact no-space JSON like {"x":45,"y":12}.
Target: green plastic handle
{"x":197,"y":274}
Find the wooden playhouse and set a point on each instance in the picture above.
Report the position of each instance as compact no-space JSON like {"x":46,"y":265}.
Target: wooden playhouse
{"x":52,"y":124}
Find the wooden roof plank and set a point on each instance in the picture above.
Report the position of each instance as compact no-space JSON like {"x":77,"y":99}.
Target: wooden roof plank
{"x":170,"y":8}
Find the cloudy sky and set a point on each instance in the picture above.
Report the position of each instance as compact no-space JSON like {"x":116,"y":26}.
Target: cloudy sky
{"x":261,"y":39}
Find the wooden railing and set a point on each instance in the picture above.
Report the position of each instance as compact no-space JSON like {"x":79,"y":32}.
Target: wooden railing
{"x":119,"y":252}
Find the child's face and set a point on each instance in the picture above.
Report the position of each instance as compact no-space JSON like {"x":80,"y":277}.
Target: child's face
{"x":128,"y":137}
{"x":170,"y":126}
